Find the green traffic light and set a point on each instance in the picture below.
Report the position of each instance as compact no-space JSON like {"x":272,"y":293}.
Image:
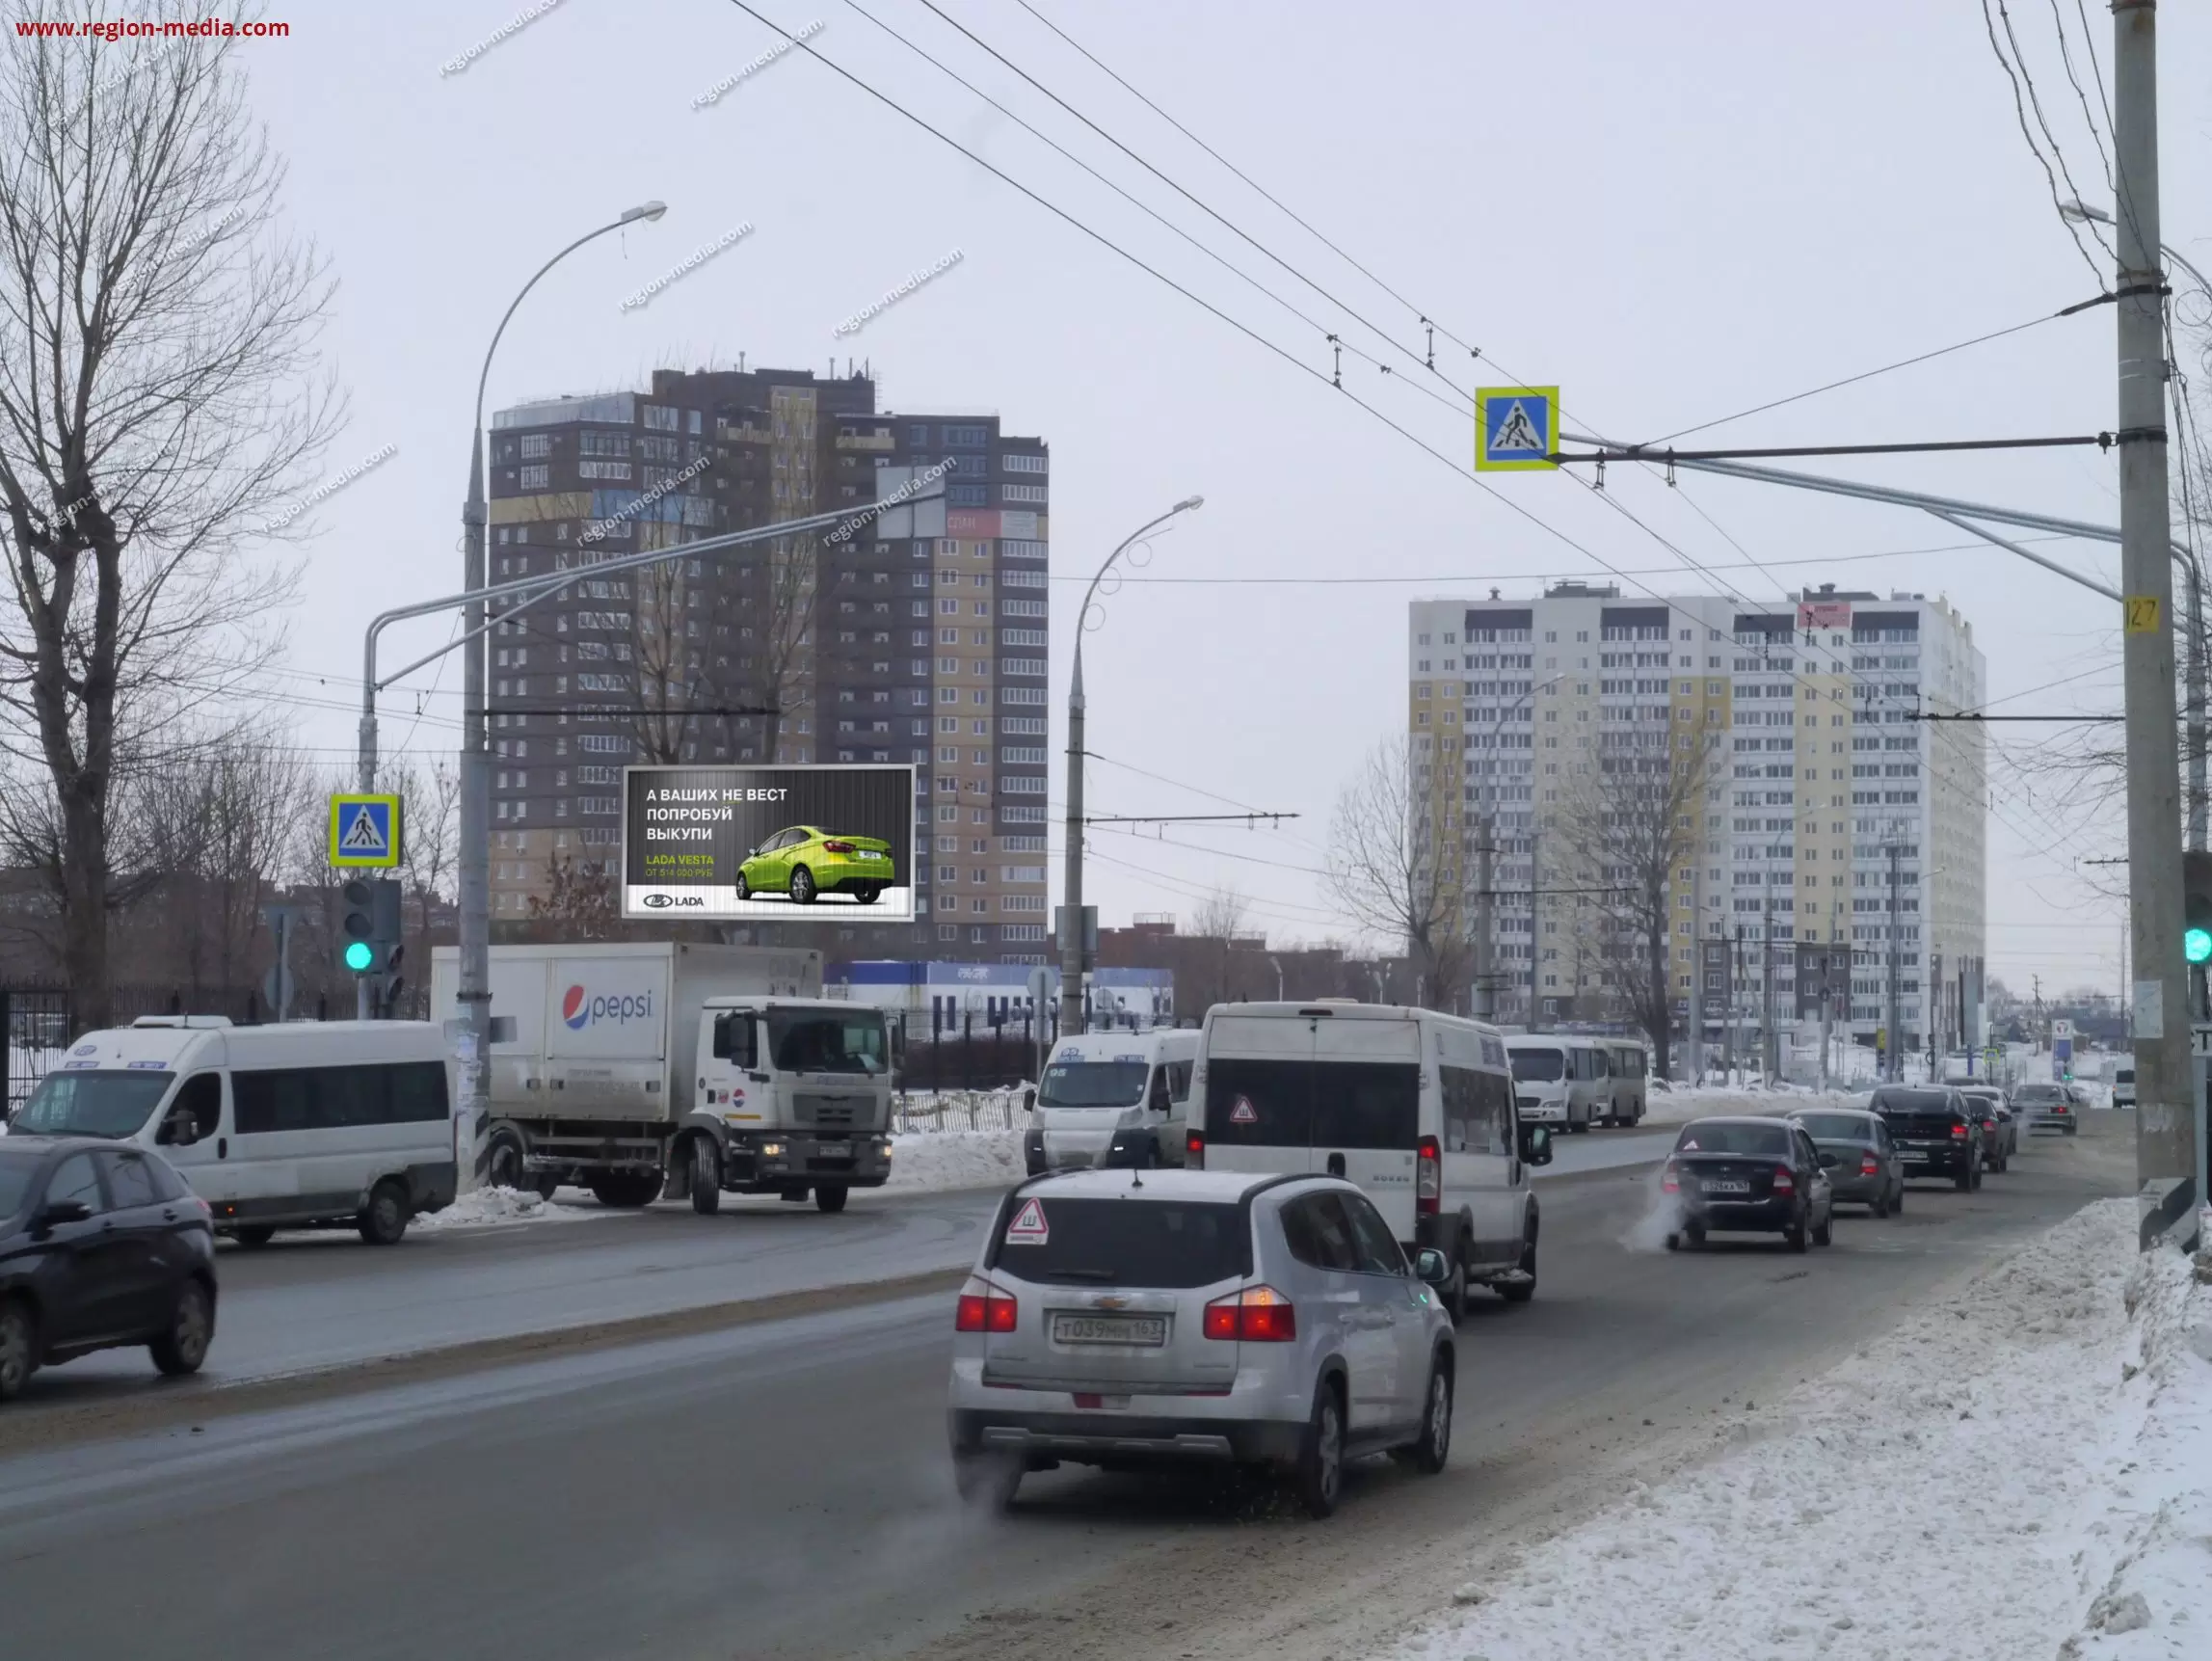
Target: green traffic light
{"x":2196,"y":944}
{"x":361,"y":956}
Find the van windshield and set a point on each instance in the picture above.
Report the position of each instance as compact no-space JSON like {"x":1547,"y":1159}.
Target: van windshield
{"x":92,"y":1103}
{"x":1539,"y":1066}
{"x":818,"y":1041}
{"x":1093,"y":1085}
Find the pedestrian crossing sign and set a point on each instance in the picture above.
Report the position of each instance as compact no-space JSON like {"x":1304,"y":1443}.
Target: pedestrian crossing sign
{"x":364,"y":830}
{"x":1517,"y":429}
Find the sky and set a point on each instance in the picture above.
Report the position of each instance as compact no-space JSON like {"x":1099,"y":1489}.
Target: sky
{"x":1674,"y":213}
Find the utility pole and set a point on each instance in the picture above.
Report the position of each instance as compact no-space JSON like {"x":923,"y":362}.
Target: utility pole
{"x":1486,"y":920}
{"x":1828,"y":1004}
{"x":2164,"y":1136}
{"x":1893,"y":1049}
{"x":1734,"y":1001}
{"x":1770,"y":1040}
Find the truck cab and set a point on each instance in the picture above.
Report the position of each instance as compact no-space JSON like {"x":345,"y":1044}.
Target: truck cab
{"x":1113,"y":1098}
{"x":793,"y":1094}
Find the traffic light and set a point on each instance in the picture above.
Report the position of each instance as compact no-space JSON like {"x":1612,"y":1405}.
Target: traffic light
{"x":2197,"y":908}
{"x":386,"y":927}
{"x":359,"y":925}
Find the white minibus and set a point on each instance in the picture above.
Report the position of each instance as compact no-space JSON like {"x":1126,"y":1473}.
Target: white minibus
{"x":1112,"y":1098}
{"x":1560,"y":1079}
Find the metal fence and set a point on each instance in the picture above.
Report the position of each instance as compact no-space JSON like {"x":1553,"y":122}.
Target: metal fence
{"x":959,"y":1110}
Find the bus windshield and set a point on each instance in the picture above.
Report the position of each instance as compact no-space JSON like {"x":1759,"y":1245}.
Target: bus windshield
{"x":1539,"y":1066}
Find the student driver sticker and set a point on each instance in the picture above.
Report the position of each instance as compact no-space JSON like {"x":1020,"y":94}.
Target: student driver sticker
{"x":1244,"y":1113}
{"x":1028,"y":1226}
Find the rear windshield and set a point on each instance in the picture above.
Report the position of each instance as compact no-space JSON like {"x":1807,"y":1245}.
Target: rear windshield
{"x":2125,"y":1076}
{"x":1133,"y":1241}
{"x":1911,"y":1102}
{"x":93,"y":1104}
{"x":1539,"y":1066}
{"x":2034,"y":1093}
{"x":17,"y":1173}
{"x":1312,"y":1104}
{"x":1837,"y":1127}
{"x":1093,"y":1085}
{"x":1768,"y":1141}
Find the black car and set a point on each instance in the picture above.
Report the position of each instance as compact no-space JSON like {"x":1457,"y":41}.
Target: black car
{"x":1939,"y":1132}
{"x":1755,"y":1175}
{"x":2000,"y":1129}
{"x":100,"y":1247}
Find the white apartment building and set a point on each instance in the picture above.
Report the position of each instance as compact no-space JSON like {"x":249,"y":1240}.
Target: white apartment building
{"x":1814,"y":714}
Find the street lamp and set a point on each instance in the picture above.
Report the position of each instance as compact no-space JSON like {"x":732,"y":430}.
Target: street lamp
{"x":1072,"y":912}
{"x":2081,"y":213}
{"x":474,"y":865}
{"x":1485,"y":1000}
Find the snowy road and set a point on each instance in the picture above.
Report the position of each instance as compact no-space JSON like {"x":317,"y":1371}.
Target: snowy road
{"x":781,"y":1490}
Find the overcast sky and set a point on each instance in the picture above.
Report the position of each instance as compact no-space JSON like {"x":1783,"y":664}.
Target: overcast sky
{"x":1673,"y":212}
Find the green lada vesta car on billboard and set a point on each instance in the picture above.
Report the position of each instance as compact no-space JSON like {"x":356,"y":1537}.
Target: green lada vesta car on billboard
{"x":804,"y":861}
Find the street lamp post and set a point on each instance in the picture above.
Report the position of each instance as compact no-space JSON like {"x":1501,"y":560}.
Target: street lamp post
{"x":474,"y":865}
{"x":1072,"y":912}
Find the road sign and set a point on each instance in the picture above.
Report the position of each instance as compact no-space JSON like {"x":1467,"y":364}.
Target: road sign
{"x":1517,"y":429}
{"x":364,"y":830}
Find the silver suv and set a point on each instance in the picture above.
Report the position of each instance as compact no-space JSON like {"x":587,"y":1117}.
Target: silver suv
{"x":1123,"y":1318}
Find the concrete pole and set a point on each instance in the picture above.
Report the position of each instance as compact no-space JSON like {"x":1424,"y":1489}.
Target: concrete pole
{"x":1486,"y":918}
{"x":1072,"y":882}
{"x":2166,"y":1136}
{"x":1771,"y":1039}
{"x":1893,"y":1048}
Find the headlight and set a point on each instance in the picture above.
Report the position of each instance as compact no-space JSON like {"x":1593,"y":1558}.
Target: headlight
{"x":883,"y":1146}
{"x":771,"y":1150}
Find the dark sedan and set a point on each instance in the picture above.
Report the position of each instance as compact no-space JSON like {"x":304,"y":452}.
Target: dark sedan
{"x":1860,"y":1159}
{"x":100,"y":1247}
{"x":1749,"y":1175}
{"x":1937,"y":1131}
{"x":2000,"y":1129}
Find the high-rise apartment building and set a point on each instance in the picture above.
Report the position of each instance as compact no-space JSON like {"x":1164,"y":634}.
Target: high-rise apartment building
{"x":1807,"y":717}
{"x":918,"y":638}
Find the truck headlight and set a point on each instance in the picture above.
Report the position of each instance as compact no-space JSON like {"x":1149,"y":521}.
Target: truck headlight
{"x":771,"y":1150}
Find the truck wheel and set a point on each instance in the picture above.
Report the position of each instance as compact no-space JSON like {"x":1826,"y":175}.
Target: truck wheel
{"x":626,"y":1192}
{"x":544,"y":1184}
{"x":384,"y":1220}
{"x":831,"y":1197}
{"x":802,"y":886}
{"x":706,"y":1177}
{"x":503,"y":1161}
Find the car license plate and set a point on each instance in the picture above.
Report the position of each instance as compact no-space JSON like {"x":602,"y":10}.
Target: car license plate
{"x":1145,"y":1330}
{"x":868,"y":853}
{"x":1727,"y":1186}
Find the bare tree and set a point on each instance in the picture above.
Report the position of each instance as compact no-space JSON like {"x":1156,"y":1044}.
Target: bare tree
{"x":1388,"y":878}
{"x":430,"y":834}
{"x":777,"y":642}
{"x":1215,"y":928}
{"x":156,"y":335}
{"x":1631,"y":832}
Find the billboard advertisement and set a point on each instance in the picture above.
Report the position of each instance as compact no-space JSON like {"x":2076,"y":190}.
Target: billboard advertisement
{"x":751,"y":843}
{"x":1823,"y":614}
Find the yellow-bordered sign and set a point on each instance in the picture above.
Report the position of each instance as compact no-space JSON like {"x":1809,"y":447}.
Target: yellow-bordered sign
{"x":1517,"y":429}
{"x":2142,"y":612}
{"x":364,"y":830}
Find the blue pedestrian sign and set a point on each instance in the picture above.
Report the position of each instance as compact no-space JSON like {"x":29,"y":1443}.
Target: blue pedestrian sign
{"x":364,"y":830}
{"x":1517,"y":429}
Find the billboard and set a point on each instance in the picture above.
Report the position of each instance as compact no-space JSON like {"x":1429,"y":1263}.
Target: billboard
{"x":751,"y":844}
{"x":1823,"y":614}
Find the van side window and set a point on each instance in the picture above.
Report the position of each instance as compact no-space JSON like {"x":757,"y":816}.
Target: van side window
{"x":201,"y":1096}
{"x":274,"y":1099}
{"x":1178,"y":1080}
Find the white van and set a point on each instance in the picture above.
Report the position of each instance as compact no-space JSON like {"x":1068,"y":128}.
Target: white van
{"x":1628,"y":1064}
{"x":1560,"y":1079}
{"x":1113,"y":1098}
{"x":311,"y":1124}
{"x":1415,"y":1107}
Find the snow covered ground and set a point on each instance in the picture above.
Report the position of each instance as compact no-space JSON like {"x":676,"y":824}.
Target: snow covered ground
{"x":927,"y":1162}
{"x":1678,"y":1107}
{"x":2022,"y":1470}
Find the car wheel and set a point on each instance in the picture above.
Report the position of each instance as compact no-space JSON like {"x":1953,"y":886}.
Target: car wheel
{"x":384,"y":1220}
{"x":1897,"y":1200}
{"x":1674,"y":1243}
{"x":706,"y":1176}
{"x":1797,"y":1237}
{"x":1521,"y":1291}
{"x":802,"y":886}
{"x":1427,"y":1455}
{"x":1826,"y":1233}
{"x":18,"y":1348}
{"x":1962,"y":1179}
{"x":1455,"y":1292}
{"x":831,"y":1197}
{"x":254,"y":1235}
{"x":1318,"y":1478}
{"x":744,"y":887}
{"x":1577,"y":1127}
{"x":183,"y":1346}
{"x":992,"y":1478}
{"x":865,"y":894}
{"x":1693,"y":1234}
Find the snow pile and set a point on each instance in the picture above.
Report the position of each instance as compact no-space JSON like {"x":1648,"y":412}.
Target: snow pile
{"x":1678,"y":1107}
{"x":493,"y":1207}
{"x":924,"y":1162}
{"x":2022,"y":1471}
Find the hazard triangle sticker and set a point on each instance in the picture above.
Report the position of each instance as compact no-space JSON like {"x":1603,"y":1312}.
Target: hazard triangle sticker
{"x":1028,"y":1226}
{"x":1244,"y":1113}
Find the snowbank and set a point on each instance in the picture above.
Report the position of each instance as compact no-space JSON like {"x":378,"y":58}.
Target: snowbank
{"x":494,"y":1207}
{"x":924,"y":1162}
{"x":2021,"y":1471}
{"x":1678,"y":1107}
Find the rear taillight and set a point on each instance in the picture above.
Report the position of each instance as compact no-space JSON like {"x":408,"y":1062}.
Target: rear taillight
{"x":1958,"y":1132}
{"x":836,"y":847}
{"x":1194,"y":1150}
{"x":1785,"y":1181}
{"x":984,"y":1308}
{"x":1869,"y":1165}
{"x":1427,"y":1177}
{"x":1670,"y":1178}
{"x":1257,"y":1315}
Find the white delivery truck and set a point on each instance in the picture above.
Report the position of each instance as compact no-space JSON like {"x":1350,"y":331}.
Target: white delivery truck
{"x":1112,"y":1098}
{"x":638,"y":1069}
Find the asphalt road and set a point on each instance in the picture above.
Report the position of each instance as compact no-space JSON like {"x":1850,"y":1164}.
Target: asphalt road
{"x":782,"y":1490}
{"x":317,"y":1300}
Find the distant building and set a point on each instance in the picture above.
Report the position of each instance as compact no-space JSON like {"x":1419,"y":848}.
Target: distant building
{"x":944,"y":997}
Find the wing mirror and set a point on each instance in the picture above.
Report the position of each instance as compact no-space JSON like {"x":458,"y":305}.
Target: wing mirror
{"x":1029,"y":1099}
{"x":1430,"y":1267}
{"x":177,"y":1130}
{"x":1535,"y":1144}
{"x":55,"y":1212}
{"x":1828,"y":1162}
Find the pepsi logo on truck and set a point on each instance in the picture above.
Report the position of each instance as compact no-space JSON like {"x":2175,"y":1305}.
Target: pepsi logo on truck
{"x":580,"y":1008}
